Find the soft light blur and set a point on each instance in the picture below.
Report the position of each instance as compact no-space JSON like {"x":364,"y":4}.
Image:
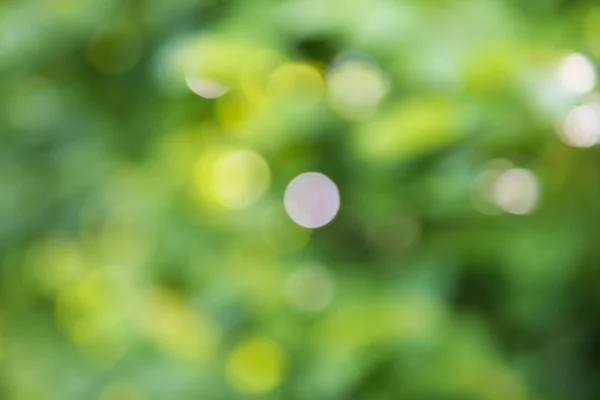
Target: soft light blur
{"x":299,"y":200}
{"x":310,"y":288}
{"x":581,"y":127}
{"x":516,"y":191}
{"x":206,"y":88}
{"x":577,"y":74}
{"x":311,"y":200}
{"x":355,"y":87}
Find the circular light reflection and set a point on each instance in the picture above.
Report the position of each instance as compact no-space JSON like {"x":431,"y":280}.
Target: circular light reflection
{"x":355,"y":88}
{"x":240,"y":178}
{"x":310,"y":289}
{"x":256,"y":366}
{"x":516,"y":191}
{"x":206,"y":88}
{"x":576,"y":74}
{"x":311,"y":200}
{"x":299,"y":80}
{"x":581,"y":127}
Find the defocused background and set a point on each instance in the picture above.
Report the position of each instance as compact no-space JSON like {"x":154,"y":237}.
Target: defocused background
{"x":146,"y":250}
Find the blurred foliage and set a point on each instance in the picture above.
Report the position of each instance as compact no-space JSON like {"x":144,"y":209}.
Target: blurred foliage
{"x":145,"y":250}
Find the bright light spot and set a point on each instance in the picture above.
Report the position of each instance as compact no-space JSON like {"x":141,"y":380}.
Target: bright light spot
{"x":311,"y":200}
{"x":256,"y":366}
{"x":515,"y":191}
{"x":581,"y":127}
{"x":576,"y":74}
{"x":206,"y":88}
{"x":298,"y":80}
{"x":310,"y":289}
{"x":355,"y":88}
{"x":240,"y":178}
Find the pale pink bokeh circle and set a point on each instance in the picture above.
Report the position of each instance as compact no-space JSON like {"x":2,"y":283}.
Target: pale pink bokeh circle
{"x":311,"y":200}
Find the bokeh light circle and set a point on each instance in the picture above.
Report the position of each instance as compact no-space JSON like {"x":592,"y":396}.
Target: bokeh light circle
{"x":239,"y":179}
{"x":256,"y":366}
{"x":206,"y":88}
{"x":355,"y":88}
{"x":576,"y":74}
{"x":581,"y":127}
{"x":296,"y":80}
{"x":312,"y":200}
{"x":516,"y":191}
{"x":310,"y":288}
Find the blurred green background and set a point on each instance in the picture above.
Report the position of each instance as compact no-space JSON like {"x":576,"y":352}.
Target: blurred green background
{"x":146,"y":252}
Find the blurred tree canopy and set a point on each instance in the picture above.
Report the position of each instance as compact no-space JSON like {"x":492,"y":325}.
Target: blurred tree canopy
{"x":146,"y":148}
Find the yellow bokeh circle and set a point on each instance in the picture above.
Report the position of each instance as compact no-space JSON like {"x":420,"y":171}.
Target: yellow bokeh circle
{"x":298,"y":80}
{"x":239,"y":179}
{"x":256,"y":366}
{"x":230,"y":178}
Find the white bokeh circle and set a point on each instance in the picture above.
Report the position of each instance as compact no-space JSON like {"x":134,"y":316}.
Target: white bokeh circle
{"x":311,"y":200}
